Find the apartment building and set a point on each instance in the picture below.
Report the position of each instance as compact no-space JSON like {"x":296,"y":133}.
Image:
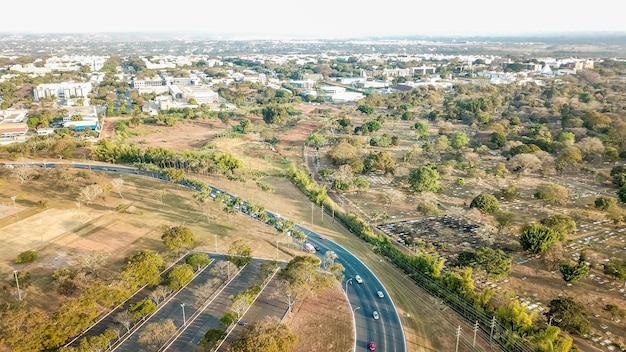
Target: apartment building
{"x":65,"y":90}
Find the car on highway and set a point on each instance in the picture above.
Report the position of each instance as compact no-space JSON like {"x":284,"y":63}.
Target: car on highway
{"x":380,"y":294}
{"x":375,"y":315}
{"x":242,"y":323}
{"x":317,"y":248}
{"x":372,"y":346}
{"x":358,"y":279}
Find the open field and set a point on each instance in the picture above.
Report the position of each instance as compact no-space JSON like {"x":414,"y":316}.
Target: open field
{"x":322,"y":322}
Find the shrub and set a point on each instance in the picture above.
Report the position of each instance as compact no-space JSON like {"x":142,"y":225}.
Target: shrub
{"x":26,"y":257}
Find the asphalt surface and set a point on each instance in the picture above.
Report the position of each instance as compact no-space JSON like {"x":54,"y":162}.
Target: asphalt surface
{"x":209,"y":318}
{"x":386,"y":332}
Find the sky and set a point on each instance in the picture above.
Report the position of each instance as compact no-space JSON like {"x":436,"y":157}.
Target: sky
{"x":313,"y":19}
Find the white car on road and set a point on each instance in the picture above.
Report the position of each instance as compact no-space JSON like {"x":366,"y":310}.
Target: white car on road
{"x":358,"y":279}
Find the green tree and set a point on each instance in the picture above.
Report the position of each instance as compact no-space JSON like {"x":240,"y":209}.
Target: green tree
{"x":495,"y":262}
{"x":498,"y":139}
{"x":604,"y":202}
{"x":422,"y":129}
{"x":274,"y":114}
{"x":569,"y":315}
{"x":366,"y":109}
{"x":143,"y":269}
{"x":177,"y":238}
{"x":562,"y":224}
{"x":211,"y":338}
{"x":486,"y":203}
{"x":142,"y":308}
{"x":573,"y":272}
{"x":621,"y":194}
{"x":459,"y":140}
{"x":616,"y":268}
{"x":245,"y":125}
{"x":174,"y":175}
{"x":198,"y":260}
{"x":424,"y":179}
{"x":538,"y":238}
{"x":516,"y":317}
{"x":315,"y":139}
{"x":299,"y":271}
{"x":179,"y":276}
{"x":239,"y":253}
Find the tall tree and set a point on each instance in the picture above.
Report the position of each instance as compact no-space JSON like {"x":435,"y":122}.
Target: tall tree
{"x":239,"y":253}
{"x":268,"y":335}
{"x":569,"y":315}
{"x":177,"y":238}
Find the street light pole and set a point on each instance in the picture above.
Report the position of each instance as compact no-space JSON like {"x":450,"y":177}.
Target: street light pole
{"x":289,"y":300}
{"x":348,"y":281}
{"x":182,"y":305}
{"x":17,"y":283}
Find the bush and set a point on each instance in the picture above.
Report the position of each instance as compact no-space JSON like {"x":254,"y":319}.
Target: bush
{"x":26,"y":257}
{"x":486,"y":203}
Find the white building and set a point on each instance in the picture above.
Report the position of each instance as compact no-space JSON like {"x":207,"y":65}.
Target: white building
{"x":13,"y":115}
{"x":63,"y":90}
{"x":202,"y":95}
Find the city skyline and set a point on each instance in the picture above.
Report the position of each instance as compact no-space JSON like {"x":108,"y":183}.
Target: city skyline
{"x":322,"y":19}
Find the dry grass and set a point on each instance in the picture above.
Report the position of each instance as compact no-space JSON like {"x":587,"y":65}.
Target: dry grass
{"x":322,"y":322}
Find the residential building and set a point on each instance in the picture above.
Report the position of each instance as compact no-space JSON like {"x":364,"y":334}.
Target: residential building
{"x":13,"y":115}
{"x":65,"y":90}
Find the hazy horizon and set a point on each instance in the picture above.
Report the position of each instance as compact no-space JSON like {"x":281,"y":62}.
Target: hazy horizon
{"x":323,"y":19}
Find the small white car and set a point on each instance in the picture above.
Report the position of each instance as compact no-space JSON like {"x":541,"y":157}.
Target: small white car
{"x":358,"y":279}
{"x":375,"y":315}
{"x":380,"y":294}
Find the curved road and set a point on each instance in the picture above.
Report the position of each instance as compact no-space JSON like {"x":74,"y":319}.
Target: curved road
{"x":386,"y":332}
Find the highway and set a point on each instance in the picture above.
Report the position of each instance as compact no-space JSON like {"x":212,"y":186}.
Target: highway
{"x":386,"y":332}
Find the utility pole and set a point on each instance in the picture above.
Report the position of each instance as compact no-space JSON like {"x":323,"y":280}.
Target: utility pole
{"x":17,"y":283}
{"x":493,"y":325}
{"x":475,"y":330}
{"x":458,"y":334}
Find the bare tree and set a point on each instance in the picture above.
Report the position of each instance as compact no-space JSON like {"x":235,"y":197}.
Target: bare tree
{"x":90,"y":193}
{"x":285,"y":293}
{"x":329,"y":259}
{"x":156,"y":334}
{"x":22,"y":173}
{"x":524,"y":163}
{"x":91,"y":262}
{"x":224,"y":269}
{"x":125,"y":318}
{"x":159,"y":196}
{"x":117,"y":184}
{"x":240,"y":304}
{"x":160,"y":294}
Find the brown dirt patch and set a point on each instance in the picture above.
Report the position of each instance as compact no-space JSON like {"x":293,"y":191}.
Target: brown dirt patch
{"x":322,"y":322}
